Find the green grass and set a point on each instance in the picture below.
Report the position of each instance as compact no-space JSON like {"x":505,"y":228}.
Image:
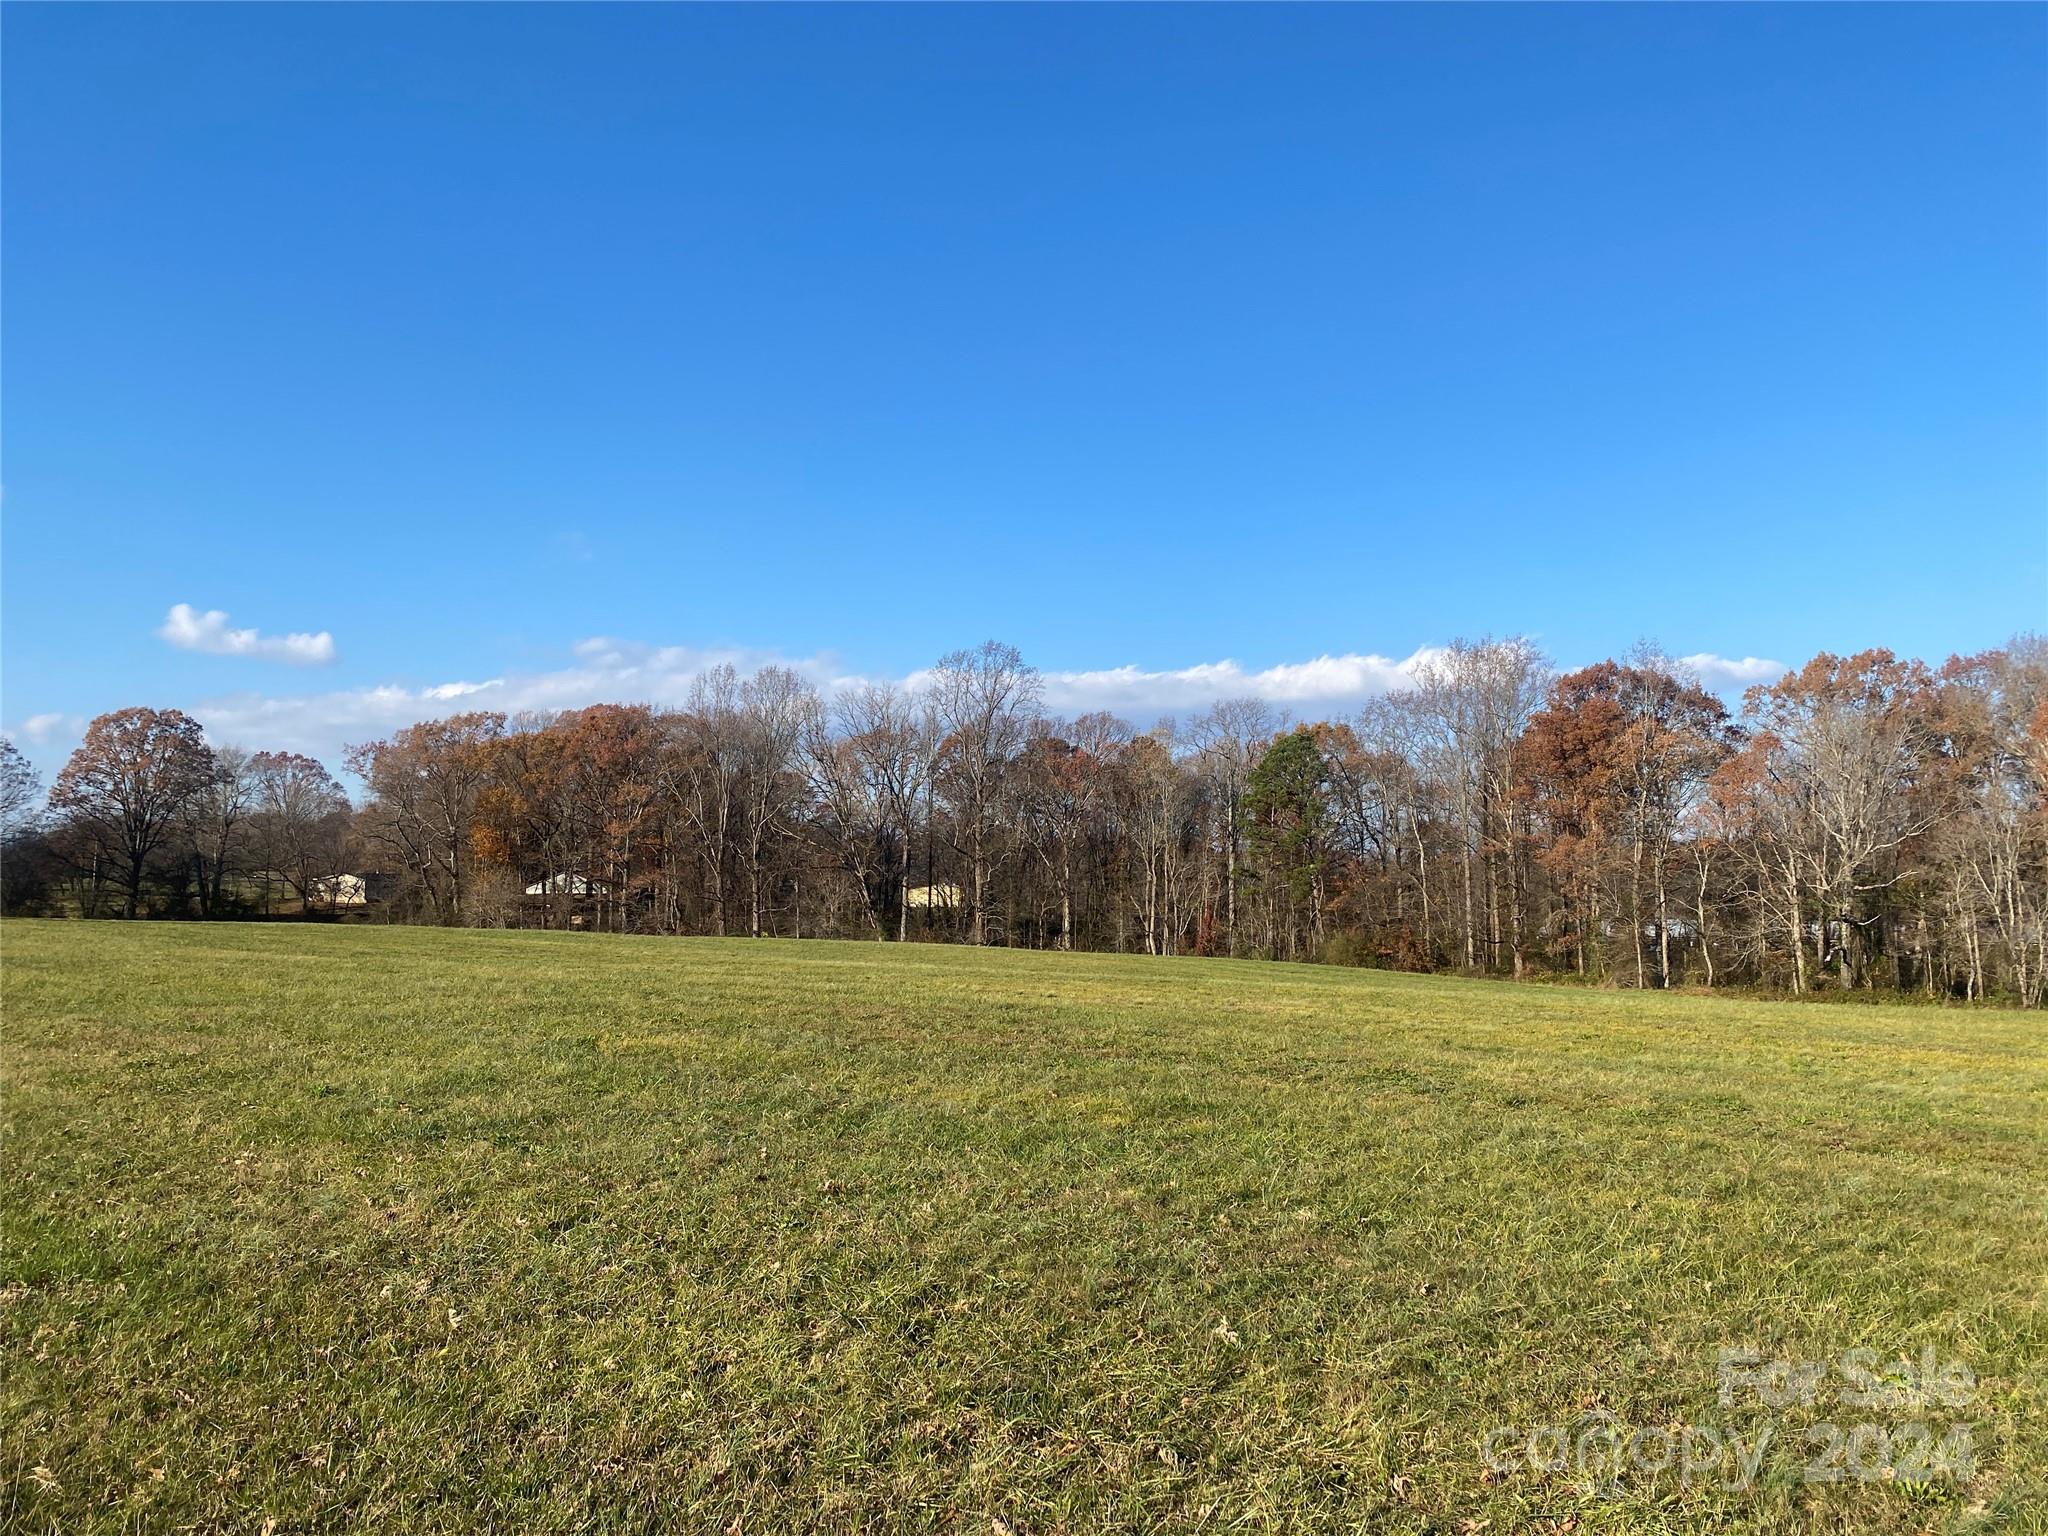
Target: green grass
{"x":341,"y":1227}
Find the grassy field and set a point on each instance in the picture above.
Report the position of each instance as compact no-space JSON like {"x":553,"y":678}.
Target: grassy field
{"x":326,"y":1228}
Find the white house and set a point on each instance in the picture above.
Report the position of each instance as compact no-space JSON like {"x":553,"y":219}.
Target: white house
{"x":339,"y":891}
{"x":566,"y":885}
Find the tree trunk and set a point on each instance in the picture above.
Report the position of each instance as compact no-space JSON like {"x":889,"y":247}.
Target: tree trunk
{"x":1663,"y":930}
{"x":1471,"y":936}
{"x":1635,"y":905}
{"x":1794,"y":931}
{"x":1230,"y":868}
{"x":1066,"y":899}
{"x":1706,"y":951}
{"x":754,"y":894}
{"x":978,"y":924}
{"x":1514,"y":902}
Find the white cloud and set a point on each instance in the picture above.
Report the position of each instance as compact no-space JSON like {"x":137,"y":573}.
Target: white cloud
{"x":44,"y":730}
{"x":445,"y":691}
{"x":1345,"y":679}
{"x":190,"y":630}
{"x":620,"y":671}
{"x":606,"y":670}
{"x":1723,"y":673}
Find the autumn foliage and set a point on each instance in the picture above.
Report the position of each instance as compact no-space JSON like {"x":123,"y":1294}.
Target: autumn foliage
{"x":1864,"y":823}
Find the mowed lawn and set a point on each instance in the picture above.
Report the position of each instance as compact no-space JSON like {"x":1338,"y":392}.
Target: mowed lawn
{"x":322,"y":1228}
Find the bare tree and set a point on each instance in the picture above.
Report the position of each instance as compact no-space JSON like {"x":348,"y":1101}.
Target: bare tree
{"x":21,"y":813}
{"x":774,"y":703}
{"x":710,"y":777}
{"x":985,"y":700}
{"x":1066,"y":785}
{"x":894,"y":740}
{"x":21,"y":790}
{"x":302,"y":822}
{"x":216,"y":820}
{"x":851,"y":808}
{"x":1227,"y":740}
{"x":1469,"y":706}
{"x":1840,"y":742}
{"x":1990,"y":788}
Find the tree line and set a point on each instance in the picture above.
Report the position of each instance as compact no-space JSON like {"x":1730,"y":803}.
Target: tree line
{"x":1864,"y":823}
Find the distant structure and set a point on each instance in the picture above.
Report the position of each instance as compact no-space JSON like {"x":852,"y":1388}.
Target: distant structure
{"x":342,"y":892}
{"x":566,"y":885}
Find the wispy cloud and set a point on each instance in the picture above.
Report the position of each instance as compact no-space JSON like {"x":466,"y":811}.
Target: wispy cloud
{"x":1722,"y":673}
{"x":190,"y":630}
{"x":623,"y":671}
{"x":1326,"y":680}
{"x":50,"y":729}
{"x":603,"y":669}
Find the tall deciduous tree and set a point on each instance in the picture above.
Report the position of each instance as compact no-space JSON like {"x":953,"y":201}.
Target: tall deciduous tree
{"x":21,"y":790}
{"x":894,"y":740}
{"x":216,"y":824}
{"x":302,"y":822}
{"x":1839,"y":743}
{"x":1228,"y":738}
{"x":1469,"y":706}
{"x":773,"y":705}
{"x":21,"y":808}
{"x":985,"y":699}
{"x":1612,"y":765}
{"x":127,"y":785}
{"x":424,"y":785}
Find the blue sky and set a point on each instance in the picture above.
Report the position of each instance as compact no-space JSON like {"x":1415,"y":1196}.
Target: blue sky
{"x":555,"y":349}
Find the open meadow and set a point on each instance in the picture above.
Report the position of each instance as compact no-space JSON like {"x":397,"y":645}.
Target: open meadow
{"x":320,"y":1228}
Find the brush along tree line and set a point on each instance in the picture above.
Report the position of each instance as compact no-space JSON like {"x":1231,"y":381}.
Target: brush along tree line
{"x":1865,"y":822}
